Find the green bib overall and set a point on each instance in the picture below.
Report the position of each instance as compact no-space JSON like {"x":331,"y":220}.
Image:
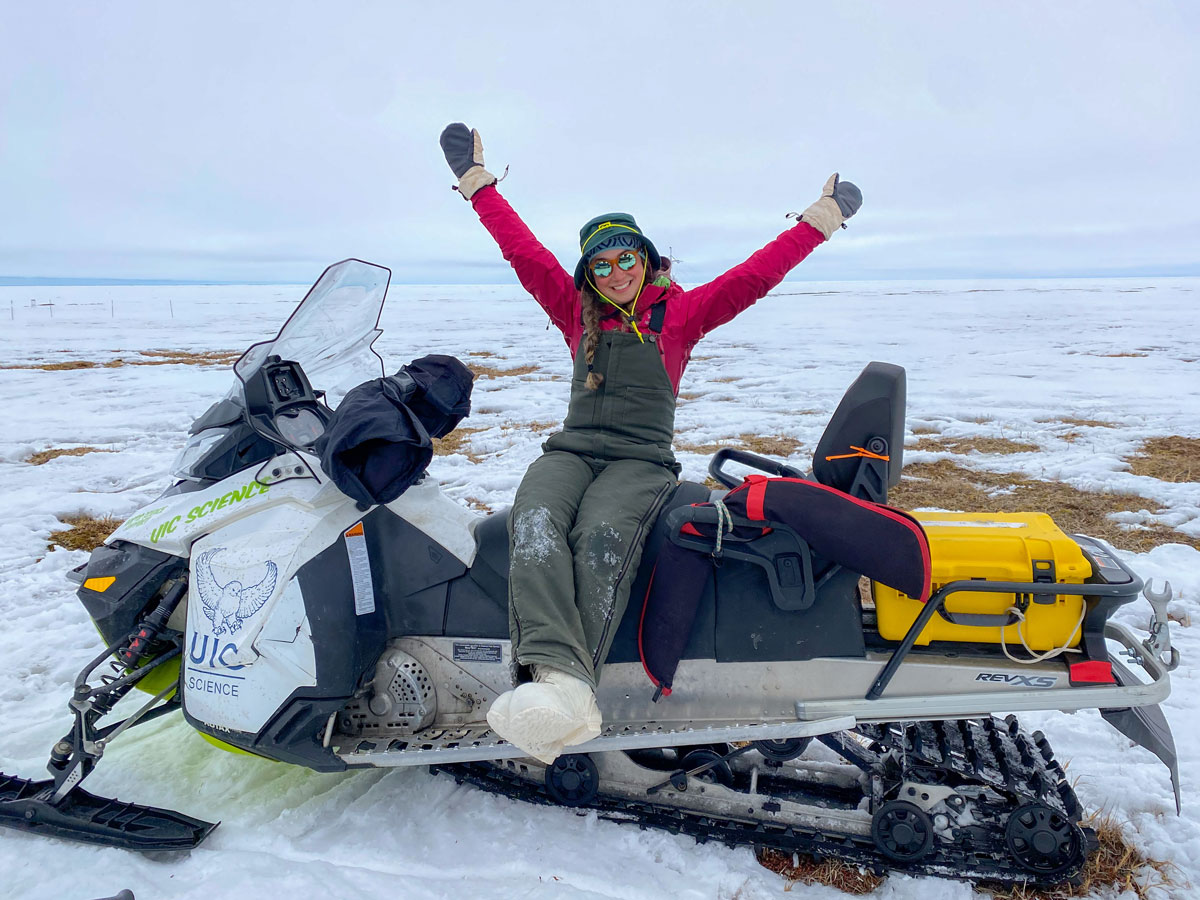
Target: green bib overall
{"x":585,"y":507}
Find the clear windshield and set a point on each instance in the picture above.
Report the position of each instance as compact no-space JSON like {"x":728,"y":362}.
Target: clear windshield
{"x":331,"y":332}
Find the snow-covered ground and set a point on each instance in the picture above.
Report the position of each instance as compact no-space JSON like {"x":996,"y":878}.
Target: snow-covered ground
{"x":1004,"y":358}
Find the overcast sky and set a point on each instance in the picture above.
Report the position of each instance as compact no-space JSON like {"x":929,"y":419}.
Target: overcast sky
{"x":260,"y":140}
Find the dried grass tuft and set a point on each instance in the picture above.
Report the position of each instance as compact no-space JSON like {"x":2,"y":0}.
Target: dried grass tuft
{"x":977,"y":444}
{"x":1115,"y":867}
{"x":1078,"y":422}
{"x":508,"y":428}
{"x":766,"y":445}
{"x":156,"y":358}
{"x":187,"y":357}
{"x":1171,"y":458}
{"x":457,"y":441}
{"x":57,"y":367}
{"x":801,"y":869}
{"x":945,"y":485}
{"x":86,"y":532}
{"x":44,"y":456}
{"x":919,"y":430}
{"x":484,"y":371}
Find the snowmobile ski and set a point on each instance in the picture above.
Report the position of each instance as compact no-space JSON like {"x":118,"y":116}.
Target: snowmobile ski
{"x":80,"y":816}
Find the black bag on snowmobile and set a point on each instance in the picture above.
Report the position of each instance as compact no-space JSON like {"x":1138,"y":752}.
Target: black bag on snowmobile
{"x":886,"y":544}
{"x":379,"y":440}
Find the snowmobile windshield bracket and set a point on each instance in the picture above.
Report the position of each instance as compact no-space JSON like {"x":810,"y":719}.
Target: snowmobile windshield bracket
{"x":282,"y":406}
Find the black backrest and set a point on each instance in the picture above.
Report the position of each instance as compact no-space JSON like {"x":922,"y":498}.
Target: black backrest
{"x":872,"y":407}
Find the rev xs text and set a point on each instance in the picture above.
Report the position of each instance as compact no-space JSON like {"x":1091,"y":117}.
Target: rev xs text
{"x":1033,"y":681}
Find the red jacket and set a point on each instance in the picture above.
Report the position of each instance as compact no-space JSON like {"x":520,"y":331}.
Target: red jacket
{"x":689,"y":315}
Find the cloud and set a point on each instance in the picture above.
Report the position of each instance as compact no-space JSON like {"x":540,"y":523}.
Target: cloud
{"x":217,"y":141}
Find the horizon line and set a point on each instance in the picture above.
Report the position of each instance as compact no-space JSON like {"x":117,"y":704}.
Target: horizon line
{"x":95,"y":281}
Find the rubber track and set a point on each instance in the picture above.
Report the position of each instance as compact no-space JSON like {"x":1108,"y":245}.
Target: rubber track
{"x":1018,"y":767}
{"x":991,"y":752}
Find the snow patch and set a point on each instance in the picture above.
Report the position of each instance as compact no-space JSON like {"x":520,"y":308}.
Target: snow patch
{"x":534,"y":536}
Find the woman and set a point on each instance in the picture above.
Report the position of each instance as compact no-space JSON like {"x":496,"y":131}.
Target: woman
{"x":584,"y":508}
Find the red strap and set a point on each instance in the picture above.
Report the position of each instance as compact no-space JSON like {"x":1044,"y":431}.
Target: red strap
{"x":642,"y":624}
{"x":756,"y":495}
{"x":1092,"y":672}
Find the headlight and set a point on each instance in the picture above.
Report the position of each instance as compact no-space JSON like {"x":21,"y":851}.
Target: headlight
{"x":195,"y":450}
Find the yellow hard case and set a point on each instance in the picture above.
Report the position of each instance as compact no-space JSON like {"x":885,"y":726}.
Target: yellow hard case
{"x":995,"y":547}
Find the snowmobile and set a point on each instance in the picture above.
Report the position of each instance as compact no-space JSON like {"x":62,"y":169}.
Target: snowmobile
{"x":285,"y":619}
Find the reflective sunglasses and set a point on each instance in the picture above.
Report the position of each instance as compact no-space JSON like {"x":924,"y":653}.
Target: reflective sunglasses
{"x":602,"y":268}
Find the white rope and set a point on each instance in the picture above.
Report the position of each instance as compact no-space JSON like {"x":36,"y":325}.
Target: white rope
{"x":1049,"y":654}
{"x":724,"y":523}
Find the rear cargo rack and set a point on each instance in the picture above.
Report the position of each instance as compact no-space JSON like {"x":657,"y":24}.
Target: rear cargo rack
{"x":1120,"y":589}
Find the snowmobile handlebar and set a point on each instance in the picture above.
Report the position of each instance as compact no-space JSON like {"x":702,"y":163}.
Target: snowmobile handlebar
{"x":746,"y":458}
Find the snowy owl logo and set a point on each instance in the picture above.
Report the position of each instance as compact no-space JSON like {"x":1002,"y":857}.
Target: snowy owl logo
{"x":229,"y":605}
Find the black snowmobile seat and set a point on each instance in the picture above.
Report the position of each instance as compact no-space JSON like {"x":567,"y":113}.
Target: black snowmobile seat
{"x":869,"y":417}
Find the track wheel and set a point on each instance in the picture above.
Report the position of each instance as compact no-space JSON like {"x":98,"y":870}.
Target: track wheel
{"x":902,"y":831}
{"x":1043,"y":840}
{"x":573,"y":780}
{"x":718,"y":773}
{"x":783,"y":750}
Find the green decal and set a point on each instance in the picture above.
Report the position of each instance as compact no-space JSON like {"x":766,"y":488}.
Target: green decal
{"x":163,"y":528}
{"x":236,"y":496}
{"x":246,"y":491}
{"x":143,"y":517}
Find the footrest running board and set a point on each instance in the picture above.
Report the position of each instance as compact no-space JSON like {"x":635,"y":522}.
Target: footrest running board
{"x":472,"y":744}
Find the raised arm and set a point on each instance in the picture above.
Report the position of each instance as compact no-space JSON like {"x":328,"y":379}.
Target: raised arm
{"x":727,"y":295}
{"x":537,"y":268}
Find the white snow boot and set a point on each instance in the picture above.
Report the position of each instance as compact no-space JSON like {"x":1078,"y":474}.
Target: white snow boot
{"x":542,"y":717}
